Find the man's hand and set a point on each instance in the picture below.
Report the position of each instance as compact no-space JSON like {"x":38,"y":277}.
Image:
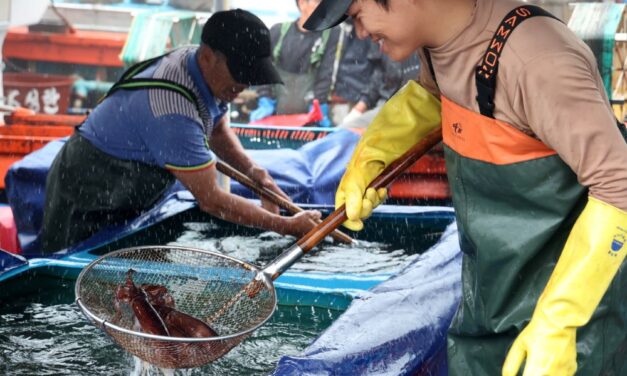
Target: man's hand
{"x":301,"y":223}
{"x":261,"y":176}
{"x":409,"y":116}
{"x":589,"y":261}
{"x":547,"y":349}
{"x":297,"y":225}
{"x":359,"y":200}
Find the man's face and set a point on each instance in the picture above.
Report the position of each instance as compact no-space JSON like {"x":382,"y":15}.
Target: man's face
{"x":217,"y":75}
{"x":395,"y":29}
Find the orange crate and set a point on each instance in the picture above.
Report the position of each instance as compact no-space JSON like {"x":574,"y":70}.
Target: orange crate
{"x":428,"y":187}
{"x":16,"y":141}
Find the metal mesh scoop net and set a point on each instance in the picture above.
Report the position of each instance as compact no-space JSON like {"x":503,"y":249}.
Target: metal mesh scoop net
{"x":205,"y":285}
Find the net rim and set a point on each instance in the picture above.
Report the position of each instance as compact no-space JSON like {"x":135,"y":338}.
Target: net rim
{"x":106,"y":324}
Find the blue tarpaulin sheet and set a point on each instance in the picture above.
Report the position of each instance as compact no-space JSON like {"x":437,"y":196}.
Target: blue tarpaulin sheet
{"x":396,"y":328}
{"x":309,"y":175}
{"x":9,"y":261}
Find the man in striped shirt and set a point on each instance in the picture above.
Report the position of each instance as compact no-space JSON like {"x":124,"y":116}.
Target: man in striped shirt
{"x":161,"y":122}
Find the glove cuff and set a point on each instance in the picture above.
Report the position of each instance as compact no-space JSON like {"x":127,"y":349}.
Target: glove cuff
{"x":593,"y":253}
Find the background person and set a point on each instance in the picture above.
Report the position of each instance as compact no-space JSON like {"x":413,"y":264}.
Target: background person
{"x":538,"y":170}
{"x":352,"y":71}
{"x":304,"y":60}
{"x":387,"y":77}
{"x":160,"y":123}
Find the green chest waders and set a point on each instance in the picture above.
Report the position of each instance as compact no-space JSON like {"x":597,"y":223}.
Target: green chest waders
{"x":295,"y":95}
{"x":515,"y":203}
{"x":88,"y":190}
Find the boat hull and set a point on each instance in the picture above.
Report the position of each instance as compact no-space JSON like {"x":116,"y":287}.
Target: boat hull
{"x":389,"y":224}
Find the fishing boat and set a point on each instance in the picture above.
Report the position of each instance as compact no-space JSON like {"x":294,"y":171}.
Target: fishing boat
{"x":29,"y":271}
{"x":432,"y":276}
{"x":309,"y":175}
{"x":20,"y":269}
{"x":421,"y":298}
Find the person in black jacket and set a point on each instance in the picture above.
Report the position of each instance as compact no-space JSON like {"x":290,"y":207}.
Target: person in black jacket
{"x":304,"y":60}
{"x":352,"y":72}
{"x":386,"y":78}
{"x":163,"y":121}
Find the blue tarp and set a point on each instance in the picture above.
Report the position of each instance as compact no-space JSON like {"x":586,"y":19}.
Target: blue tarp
{"x":9,"y":261}
{"x":396,"y":328}
{"x":309,"y":175}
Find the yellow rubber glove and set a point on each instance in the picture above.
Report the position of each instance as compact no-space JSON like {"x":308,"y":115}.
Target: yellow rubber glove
{"x":403,"y":121}
{"x":591,"y":257}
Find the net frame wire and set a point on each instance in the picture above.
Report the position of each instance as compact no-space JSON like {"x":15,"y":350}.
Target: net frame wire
{"x":139,"y":343}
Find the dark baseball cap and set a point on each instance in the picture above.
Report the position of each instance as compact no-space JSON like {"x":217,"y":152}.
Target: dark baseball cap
{"x":245,"y":41}
{"x":328,"y":14}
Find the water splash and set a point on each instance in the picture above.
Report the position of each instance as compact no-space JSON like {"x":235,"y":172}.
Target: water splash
{"x":51,"y":337}
{"x":364,"y":257}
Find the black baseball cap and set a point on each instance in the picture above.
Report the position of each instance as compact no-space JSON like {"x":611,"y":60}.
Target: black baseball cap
{"x":245,"y":41}
{"x":328,"y":14}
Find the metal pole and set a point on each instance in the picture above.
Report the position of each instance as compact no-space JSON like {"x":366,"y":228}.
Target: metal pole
{"x":5,"y":14}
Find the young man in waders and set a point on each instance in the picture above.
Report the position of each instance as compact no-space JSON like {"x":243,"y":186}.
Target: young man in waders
{"x":304,"y":60}
{"x":159,"y":123}
{"x":538,"y":169}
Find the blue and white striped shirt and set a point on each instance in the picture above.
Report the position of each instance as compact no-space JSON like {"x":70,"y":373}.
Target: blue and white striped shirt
{"x":156,"y":126}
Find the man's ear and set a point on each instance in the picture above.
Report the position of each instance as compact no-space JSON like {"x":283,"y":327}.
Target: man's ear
{"x":207,"y":56}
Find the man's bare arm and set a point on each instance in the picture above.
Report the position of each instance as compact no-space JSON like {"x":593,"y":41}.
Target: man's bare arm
{"x":229,"y":207}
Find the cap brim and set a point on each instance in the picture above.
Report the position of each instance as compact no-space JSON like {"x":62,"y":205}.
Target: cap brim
{"x":328,"y":14}
{"x":260,"y":72}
